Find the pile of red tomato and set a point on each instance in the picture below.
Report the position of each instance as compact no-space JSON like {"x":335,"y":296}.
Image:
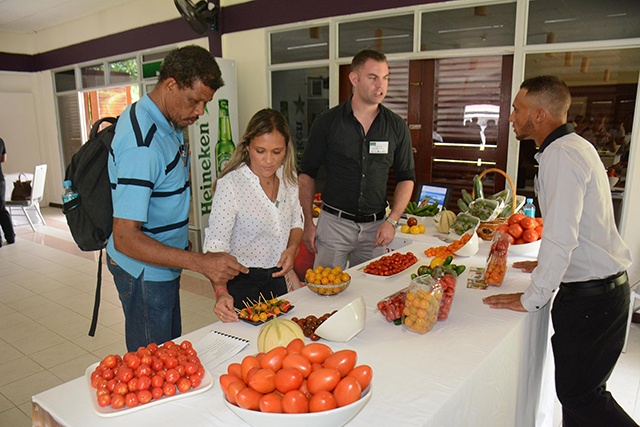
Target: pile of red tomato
{"x":391,"y":264}
{"x":523,"y":229}
{"x":147,"y":374}
{"x":296,"y":379}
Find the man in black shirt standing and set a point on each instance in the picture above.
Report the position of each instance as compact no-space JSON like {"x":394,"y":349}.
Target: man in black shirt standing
{"x":357,"y":142}
{"x":5,"y":218}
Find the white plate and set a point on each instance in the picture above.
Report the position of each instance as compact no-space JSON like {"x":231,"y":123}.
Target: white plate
{"x":109,"y":411}
{"x":361,"y":269}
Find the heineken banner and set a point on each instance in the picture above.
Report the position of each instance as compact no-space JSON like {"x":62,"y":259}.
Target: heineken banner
{"x":211,"y":146}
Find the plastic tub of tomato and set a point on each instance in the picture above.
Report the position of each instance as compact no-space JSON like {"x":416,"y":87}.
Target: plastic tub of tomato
{"x":422,"y":304}
{"x":282,"y":389}
{"x":447,"y":279}
{"x":327,"y":281}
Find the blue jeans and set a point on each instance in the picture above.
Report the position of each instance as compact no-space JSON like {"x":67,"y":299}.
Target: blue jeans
{"x":151,"y":309}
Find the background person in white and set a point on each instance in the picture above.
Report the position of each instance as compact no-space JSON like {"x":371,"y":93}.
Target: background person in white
{"x":256,"y":214}
{"x":581,"y":253}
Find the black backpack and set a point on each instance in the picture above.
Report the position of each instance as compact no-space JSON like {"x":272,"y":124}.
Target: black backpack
{"x":90,"y":215}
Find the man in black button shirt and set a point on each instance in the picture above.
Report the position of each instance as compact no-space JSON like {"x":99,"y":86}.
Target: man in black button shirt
{"x":357,"y":142}
{"x":5,"y":218}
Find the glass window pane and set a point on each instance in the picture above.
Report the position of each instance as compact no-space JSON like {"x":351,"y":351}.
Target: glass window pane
{"x":300,"y":95}
{"x":69,"y":123}
{"x":125,"y":71}
{"x":471,"y":27}
{"x":305,"y":44}
{"x":65,"y":80}
{"x":389,"y":35}
{"x":551,"y":21}
{"x":92,"y":76}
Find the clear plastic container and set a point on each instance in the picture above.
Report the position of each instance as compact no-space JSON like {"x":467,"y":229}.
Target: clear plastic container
{"x":497,"y":260}
{"x":422,"y":304}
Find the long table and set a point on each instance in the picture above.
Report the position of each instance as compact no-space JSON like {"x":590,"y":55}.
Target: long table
{"x":480,"y":367}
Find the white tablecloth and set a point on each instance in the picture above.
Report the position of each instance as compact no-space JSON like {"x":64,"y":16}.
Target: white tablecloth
{"x":480,"y":367}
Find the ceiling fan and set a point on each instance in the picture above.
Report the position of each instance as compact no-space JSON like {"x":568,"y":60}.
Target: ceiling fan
{"x":201,"y":16}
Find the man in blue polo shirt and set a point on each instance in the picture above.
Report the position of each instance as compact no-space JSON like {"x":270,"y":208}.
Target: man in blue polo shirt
{"x":149,"y":171}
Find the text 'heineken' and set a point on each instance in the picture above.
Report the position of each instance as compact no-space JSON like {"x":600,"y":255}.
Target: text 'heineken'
{"x":224,"y":147}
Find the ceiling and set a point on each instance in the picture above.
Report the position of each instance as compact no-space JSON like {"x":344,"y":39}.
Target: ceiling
{"x":29,"y":16}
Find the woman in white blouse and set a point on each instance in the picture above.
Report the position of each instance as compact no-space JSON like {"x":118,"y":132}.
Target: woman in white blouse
{"x":256,"y":214}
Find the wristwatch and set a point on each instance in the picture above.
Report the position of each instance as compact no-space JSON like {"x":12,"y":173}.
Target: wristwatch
{"x":392,"y":222}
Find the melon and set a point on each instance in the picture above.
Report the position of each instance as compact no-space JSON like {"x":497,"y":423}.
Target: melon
{"x":278,"y":332}
{"x":443,"y":220}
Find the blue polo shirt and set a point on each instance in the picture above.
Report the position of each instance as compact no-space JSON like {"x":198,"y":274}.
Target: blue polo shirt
{"x":150,"y":184}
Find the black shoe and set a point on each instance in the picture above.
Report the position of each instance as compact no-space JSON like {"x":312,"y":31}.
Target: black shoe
{"x":11,"y":241}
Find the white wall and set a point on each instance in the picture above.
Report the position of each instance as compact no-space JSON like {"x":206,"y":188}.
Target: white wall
{"x":249,"y":50}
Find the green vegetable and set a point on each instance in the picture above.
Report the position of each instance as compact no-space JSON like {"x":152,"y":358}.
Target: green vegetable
{"x":466,"y":197}
{"x":462,"y":205}
{"x":447,"y":260}
{"x":460,"y":269}
{"x":423,"y":270}
{"x":477,"y":187}
{"x":398,"y":321}
{"x":413,"y":276}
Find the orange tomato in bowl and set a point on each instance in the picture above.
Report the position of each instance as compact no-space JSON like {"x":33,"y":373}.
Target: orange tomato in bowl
{"x":529,"y":235}
{"x":515,"y":218}
{"x":527,"y":222}
{"x":515,"y":230}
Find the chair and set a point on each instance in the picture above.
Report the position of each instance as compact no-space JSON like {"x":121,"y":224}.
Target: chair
{"x":634,"y":296}
{"x":37,"y":192}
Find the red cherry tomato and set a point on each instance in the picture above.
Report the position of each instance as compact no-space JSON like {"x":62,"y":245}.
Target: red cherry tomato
{"x":362,"y":374}
{"x":322,"y":401}
{"x":233,"y":390}
{"x":125,"y":374}
{"x":528,"y":222}
{"x":144,"y":396}
{"x":347,"y":391}
{"x":144,"y":383}
{"x":323,"y":379}
{"x":247,"y":363}
{"x":183,"y":384}
{"x":298,"y":362}
{"x":169,"y":389}
{"x":316,"y":352}
{"x":190,"y":368}
{"x":157,"y":393}
{"x":529,"y":235}
{"x":172,"y":376}
{"x":273,"y":358}
{"x":343,"y":361}
{"x":515,"y":230}
{"x":195,"y":381}
{"x":248,"y":398}
{"x":295,"y":346}
{"x":288,"y":379}
{"x":117,"y":401}
{"x":263,"y":381}
{"x":271,"y":402}
{"x":295,"y":402}
{"x":131,"y":400}
{"x":235,"y":369}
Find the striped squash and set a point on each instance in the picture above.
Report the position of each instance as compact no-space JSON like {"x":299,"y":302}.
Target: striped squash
{"x":278,"y":332}
{"x":443,"y":220}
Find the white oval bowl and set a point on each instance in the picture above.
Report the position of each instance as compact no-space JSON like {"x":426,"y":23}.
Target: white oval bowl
{"x":471,"y":247}
{"x":334,"y":417}
{"x":525,"y":249}
{"x":345,"y":323}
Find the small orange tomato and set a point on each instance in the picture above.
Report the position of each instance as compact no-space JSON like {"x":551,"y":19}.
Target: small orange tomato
{"x":343,"y":361}
{"x":295,"y":346}
{"x":362,"y":374}
{"x":323,"y":379}
{"x":225,"y":380}
{"x":248,"y":398}
{"x":233,"y":390}
{"x":516,"y":231}
{"x":235,"y":369}
{"x":271,"y":402}
{"x":529,"y":235}
{"x":273,"y":358}
{"x":247,"y":363}
{"x":347,"y":391}
{"x":528,"y":222}
{"x":298,"y":362}
{"x":322,"y":401}
{"x":263,"y":381}
{"x":515,"y":219}
{"x":316,"y":352}
{"x":295,"y":402}
{"x":288,"y":379}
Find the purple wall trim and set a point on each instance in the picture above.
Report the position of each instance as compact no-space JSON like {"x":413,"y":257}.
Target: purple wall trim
{"x":244,"y":16}
{"x":265,"y":13}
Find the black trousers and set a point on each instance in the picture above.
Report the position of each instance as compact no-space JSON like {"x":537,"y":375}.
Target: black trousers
{"x":5,"y":217}
{"x":589,"y":334}
{"x":256,"y":285}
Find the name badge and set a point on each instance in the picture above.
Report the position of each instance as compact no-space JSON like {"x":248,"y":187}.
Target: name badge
{"x":378,"y":147}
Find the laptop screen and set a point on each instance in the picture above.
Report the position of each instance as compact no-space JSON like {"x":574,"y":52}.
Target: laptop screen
{"x":427,"y":194}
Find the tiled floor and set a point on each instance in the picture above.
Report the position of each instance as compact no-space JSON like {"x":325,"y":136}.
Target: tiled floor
{"x":46,"y":299}
{"x":47,"y":288}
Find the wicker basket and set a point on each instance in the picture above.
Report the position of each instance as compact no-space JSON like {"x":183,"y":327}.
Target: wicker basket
{"x":486,"y":229}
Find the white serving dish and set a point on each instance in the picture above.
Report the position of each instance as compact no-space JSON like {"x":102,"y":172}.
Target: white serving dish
{"x":109,"y":411}
{"x":335,"y":417}
{"x":471,"y":247}
{"x":345,"y":323}
{"x":525,"y":249}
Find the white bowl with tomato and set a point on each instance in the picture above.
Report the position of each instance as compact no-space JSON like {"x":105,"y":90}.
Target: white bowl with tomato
{"x":526,"y":233}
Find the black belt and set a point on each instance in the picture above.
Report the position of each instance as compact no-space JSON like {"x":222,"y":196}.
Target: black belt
{"x":595,"y":287}
{"x":352,"y":217}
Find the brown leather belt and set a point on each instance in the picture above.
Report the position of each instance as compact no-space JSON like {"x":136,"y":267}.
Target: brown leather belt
{"x":351,"y":217}
{"x":595,"y":287}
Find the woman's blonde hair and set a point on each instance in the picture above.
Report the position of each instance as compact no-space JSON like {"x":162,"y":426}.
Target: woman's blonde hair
{"x":263,"y":122}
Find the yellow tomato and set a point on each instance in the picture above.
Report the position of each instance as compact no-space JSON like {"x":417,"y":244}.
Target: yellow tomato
{"x":414,"y":229}
{"x":404,"y":229}
{"x":422,"y":229}
{"x":436,"y":261}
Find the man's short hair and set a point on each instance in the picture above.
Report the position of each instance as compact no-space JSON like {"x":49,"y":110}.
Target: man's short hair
{"x":552,"y":92}
{"x":190,"y":64}
{"x":364,"y":55}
